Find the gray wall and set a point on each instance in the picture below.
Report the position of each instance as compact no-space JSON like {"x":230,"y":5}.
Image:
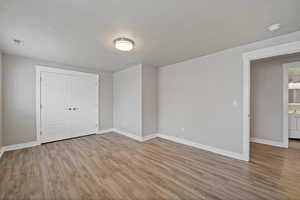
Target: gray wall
{"x":1,"y":140}
{"x":128,"y":100}
{"x":19,"y":98}
{"x":149,"y":100}
{"x":267,"y":97}
{"x":106,"y":101}
{"x":199,"y":95}
{"x":135,"y":100}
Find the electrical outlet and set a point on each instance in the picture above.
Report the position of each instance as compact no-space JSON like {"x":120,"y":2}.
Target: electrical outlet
{"x":182,"y":129}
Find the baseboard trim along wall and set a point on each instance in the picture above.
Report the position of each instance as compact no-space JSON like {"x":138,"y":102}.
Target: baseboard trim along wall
{"x":222,"y":152}
{"x":1,"y":152}
{"x":136,"y":137}
{"x":105,"y":131}
{"x":149,"y":137}
{"x":268,"y":142}
{"x":133,"y":136}
{"x":20,"y":146}
{"x":36,"y":143}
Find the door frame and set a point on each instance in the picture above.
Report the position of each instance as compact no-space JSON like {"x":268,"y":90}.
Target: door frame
{"x":38,"y":70}
{"x":283,"y":49}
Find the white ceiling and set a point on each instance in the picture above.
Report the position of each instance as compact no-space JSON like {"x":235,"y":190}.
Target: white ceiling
{"x":80,"y":32}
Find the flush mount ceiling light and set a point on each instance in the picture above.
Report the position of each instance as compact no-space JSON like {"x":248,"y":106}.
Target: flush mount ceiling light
{"x":274,"y":27}
{"x":123,"y":44}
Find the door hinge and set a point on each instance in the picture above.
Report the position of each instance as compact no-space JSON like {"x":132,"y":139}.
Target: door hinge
{"x":41,"y":133}
{"x":41,"y":106}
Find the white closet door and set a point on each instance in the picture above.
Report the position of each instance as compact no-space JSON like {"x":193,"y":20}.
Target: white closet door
{"x":84,"y":103}
{"x":55,"y":97}
{"x":69,"y":106}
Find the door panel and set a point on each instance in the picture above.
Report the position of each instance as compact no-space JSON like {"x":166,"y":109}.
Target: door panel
{"x":84,"y":103}
{"x":55,"y":97}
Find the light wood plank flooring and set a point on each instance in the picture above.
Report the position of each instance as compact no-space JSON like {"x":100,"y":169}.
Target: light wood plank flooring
{"x":112,"y":166}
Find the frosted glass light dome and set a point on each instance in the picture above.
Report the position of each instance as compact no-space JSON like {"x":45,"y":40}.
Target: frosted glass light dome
{"x":124,"y":44}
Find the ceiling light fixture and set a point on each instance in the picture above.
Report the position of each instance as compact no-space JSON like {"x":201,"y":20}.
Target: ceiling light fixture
{"x":123,"y":44}
{"x":274,"y":27}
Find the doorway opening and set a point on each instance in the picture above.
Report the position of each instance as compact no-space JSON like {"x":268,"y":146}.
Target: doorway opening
{"x":248,"y":59}
{"x":275,"y":100}
{"x":275,"y":108}
{"x":292,"y":90}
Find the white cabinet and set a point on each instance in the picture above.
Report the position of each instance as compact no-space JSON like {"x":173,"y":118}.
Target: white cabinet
{"x":292,"y":122}
{"x":294,"y":125}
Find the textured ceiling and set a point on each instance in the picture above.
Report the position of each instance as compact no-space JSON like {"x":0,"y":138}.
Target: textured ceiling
{"x":80,"y":32}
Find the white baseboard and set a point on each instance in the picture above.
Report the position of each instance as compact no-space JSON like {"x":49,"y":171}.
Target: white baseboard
{"x":133,"y":136}
{"x":20,"y":146}
{"x":149,"y":137}
{"x":105,"y":131}
{"x":222,"y":152}
{"x":238,"y":156}
{"x":136,"y":137}
{"x":1,"y":152}
{"x":268,"y":142}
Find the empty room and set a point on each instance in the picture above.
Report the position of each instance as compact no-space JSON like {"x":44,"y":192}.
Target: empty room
{"x":147,"y":100}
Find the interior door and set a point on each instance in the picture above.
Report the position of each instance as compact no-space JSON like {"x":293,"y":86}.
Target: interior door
{"x":55,"y":113}
{"x":84,"y":104}
{"x":69,"y":106}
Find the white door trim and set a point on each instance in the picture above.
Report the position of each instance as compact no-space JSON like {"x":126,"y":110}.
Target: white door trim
{"x":39,"y":70}
{"x":285,"y":105}
{"x":283,"y":49}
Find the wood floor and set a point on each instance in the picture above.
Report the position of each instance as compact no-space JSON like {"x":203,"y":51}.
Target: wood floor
{"x":112,"y":166}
